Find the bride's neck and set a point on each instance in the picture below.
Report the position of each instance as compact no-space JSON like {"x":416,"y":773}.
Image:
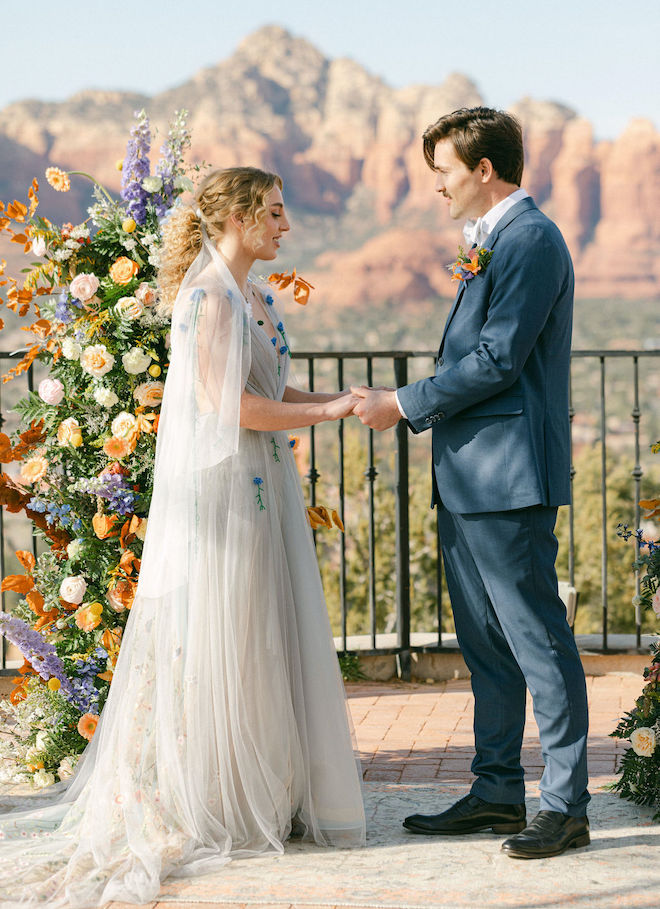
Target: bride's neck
{"x":238,"y":260}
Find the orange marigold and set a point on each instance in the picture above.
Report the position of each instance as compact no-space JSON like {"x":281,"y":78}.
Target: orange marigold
{"x":58,"y":179}
{"x":34,"y":469}
{"x":118,"y":448}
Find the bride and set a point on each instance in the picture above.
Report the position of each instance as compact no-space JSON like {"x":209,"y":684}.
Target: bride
{"x":226,"y":728}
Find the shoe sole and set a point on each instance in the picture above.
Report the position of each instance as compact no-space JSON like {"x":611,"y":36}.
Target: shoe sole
{"x":514,"y":827}
{"x":577,"y":843}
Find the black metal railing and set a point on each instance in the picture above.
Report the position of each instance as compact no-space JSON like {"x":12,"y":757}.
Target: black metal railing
{"x":330,"y":466}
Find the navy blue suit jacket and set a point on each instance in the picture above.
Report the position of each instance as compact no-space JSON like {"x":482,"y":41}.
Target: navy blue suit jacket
{"x":498,"y":402}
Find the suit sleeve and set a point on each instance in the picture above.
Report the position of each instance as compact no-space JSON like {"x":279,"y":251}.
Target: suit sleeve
{"x":530,"y":271}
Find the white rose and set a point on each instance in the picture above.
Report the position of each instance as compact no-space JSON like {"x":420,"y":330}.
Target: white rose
{"x":152,"y":184}
{"x":643,"y":741}
{"x":146,"y":294}
{"x":135,"y":361}
{"x":42,"y":741}
{"x":105,"y":397}
{"x":74,"y":550}
{"x":67,"y":766}
{"x":72,"y":589}
{"x":97,"y":360}
{"x":84,"y":286}
{"x":71,"y":350}
{"x":39,"y":246}
{"x":129,"y":308}
{"x":124,"y":425}
{"x":42,"y":779}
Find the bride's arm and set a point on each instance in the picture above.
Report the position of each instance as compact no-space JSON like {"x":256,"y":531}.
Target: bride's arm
{"x":265,"y":414}
{"x":296,"y":396}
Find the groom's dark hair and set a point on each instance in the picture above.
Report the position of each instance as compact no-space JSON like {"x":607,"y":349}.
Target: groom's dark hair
{"x":480,"y":132}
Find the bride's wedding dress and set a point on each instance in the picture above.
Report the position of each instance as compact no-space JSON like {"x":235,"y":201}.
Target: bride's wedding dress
{"x":226,"y":721}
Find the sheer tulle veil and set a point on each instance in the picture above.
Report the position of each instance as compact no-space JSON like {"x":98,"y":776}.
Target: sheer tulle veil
{"x":226,"y":721}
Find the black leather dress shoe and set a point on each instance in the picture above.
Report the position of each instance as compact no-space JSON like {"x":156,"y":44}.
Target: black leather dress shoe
{"x":469,"y":815}
{"x":550,"y":833}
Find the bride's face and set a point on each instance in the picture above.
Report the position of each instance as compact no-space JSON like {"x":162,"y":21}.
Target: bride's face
{"x":274,"y":225}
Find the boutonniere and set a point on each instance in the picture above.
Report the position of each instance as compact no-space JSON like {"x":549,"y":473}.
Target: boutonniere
{"x":467,"y":265}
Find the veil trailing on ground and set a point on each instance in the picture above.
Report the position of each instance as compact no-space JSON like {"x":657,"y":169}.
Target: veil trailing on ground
{"x":226,"y":722}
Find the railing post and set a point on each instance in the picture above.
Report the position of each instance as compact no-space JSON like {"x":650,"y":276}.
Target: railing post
{"x":637,"y":474}
{"x":605,"y":530}
{"x":402,"y":533}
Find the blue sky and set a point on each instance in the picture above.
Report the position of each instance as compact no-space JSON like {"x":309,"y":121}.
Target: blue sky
{"x":598,"y":56}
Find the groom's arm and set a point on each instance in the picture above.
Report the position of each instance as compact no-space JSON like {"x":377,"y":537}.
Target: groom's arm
{"x":530,"y":273}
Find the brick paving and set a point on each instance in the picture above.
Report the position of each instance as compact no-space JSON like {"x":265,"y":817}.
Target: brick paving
{"x":419,"y":733}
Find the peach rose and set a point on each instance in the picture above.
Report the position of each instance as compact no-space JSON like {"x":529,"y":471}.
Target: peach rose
{"x":97,"y":360}
{"x":68,"y":433}
{"x":121,"y":595}
{"x":656,"y":602}
{"x":84,"y":286}
{"x":34,"y":469}
{"x":124,"y":426}
{"x":149,"y":394}
{"x":643,"y":741}
{"x":146,"y":294}
{"x":129,"y":308}
{"x":123,"y":270}
{"x":51,"y":391}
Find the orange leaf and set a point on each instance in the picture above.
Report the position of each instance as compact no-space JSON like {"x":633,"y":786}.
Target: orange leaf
{"x":17,"y":210}
{"x":19,"y":238}
{"x":26,"y":559}
{"x":6,"y":453}
{"x":20,"y":583}
{"x":36,"y":602}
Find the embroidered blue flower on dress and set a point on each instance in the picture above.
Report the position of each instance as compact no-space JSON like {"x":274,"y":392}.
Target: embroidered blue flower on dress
{"x":269,"y":299}
{"x":258,"y":482}
{"x":273,"y":341}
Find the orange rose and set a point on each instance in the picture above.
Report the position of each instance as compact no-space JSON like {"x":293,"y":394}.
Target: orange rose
{"x":123,"y":270}
{"x":103,"y":524}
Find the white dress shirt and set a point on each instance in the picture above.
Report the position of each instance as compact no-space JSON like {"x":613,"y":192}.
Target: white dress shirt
{"x":476,"y":232}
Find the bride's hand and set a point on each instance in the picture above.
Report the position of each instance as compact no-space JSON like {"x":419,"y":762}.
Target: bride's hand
{"x":340,"y":407}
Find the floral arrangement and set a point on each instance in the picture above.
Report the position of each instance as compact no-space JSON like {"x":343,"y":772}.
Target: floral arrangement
{"x":82,"y":466}
{"x":84,"y":463}
{"x":640,"y":766}
{"x":467,"y":265}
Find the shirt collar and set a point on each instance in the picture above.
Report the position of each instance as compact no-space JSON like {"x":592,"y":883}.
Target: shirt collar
{"x":477,"y":230}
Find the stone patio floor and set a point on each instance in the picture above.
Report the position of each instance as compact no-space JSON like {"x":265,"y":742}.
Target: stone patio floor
{"x":415,"y":742}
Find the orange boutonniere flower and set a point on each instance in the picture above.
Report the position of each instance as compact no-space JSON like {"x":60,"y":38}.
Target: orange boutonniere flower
{"x":467,"y":265}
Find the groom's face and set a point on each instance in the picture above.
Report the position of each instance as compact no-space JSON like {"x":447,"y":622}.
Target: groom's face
{"x":462,"y":188}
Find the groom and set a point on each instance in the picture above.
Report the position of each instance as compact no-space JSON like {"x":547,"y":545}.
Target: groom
{"x":497,"y":407}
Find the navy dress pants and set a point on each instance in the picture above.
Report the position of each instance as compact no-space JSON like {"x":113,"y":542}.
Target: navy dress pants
{"x":512,"y":629}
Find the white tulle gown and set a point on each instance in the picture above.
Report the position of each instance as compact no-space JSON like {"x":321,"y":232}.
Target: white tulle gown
{"x":226,"y":721}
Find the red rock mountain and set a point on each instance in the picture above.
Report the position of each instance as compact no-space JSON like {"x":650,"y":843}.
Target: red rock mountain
{"x":369,"y":226}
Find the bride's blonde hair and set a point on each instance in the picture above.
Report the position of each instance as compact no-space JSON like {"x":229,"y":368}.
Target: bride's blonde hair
{"x":223,"y":193}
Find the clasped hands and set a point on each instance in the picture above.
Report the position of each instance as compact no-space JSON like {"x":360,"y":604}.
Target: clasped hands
{"x":375,"y":407}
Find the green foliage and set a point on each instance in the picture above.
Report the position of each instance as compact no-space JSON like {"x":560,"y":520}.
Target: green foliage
{"x":349,"y":665}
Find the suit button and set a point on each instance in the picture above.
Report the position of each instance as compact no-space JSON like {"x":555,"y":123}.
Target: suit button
{"x":441,"y":415}
{"x":441,"y":360}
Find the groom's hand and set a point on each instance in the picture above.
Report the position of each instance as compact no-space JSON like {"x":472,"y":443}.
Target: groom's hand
{"x":377,"y":407}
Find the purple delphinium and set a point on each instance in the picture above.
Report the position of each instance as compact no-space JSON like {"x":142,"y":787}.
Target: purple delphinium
{"x":111,"y":486}
{"x":169,"y":165}
{"x":135,"y":168}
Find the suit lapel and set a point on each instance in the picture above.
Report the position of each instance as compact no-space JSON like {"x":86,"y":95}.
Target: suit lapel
{"x":524,"y":205}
